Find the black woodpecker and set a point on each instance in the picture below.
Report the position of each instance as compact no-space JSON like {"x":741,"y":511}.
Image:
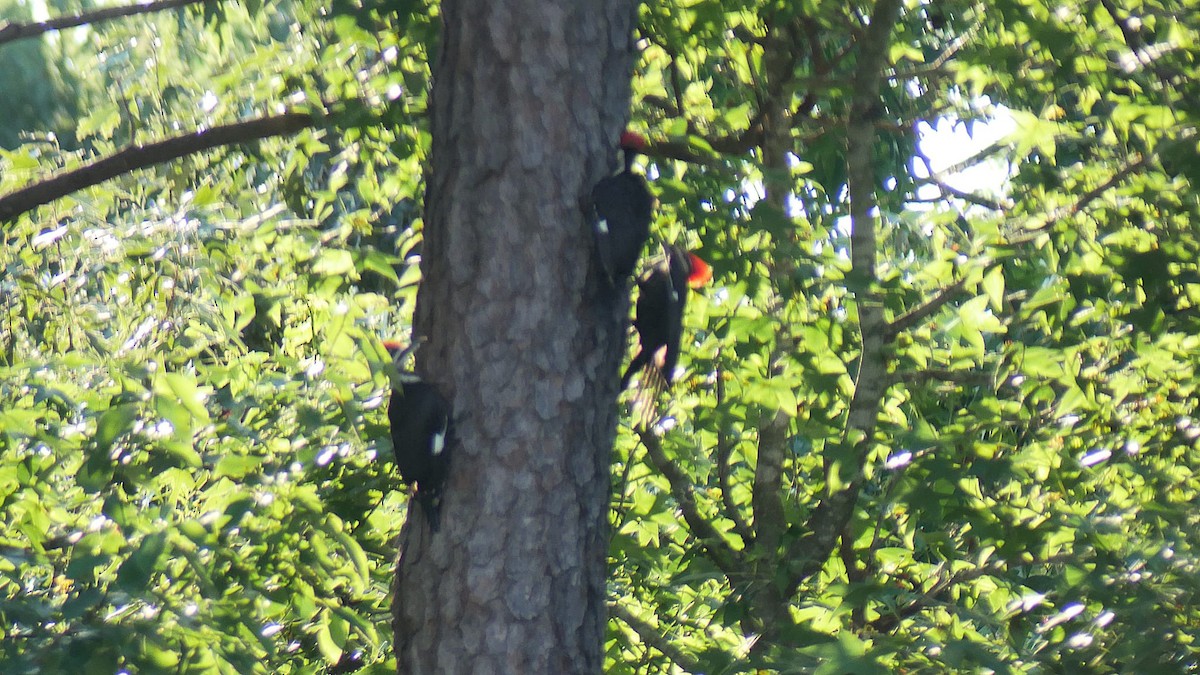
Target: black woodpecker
{"x":421,"y":428}
{"x":662,"y":294}
{"x":620,"y":208}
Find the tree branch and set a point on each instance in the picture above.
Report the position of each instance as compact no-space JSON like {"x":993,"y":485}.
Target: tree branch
{"x":681,"y":488}
{"x":887,"y":622}
{"x":769,"y":520}
{"x":924,"y":311}
{"x":1146,"y":56}
{"x":768,"y":610}
{"x":11,"y":31}
{"x":662,"y":103}
{"x":651,"y":636}
{"x":807,"y":554}
{"x":970,"y":197}
{"x":779,"y":68}
{"x":779,"y":45}
{"x":973,"y":160}
{"x":864,"y":113}
{"x":1084,"y":200}
{"x":843,"y":465}
{"x":734,"y":144}
{"x":724,"y":451}
{"x":969,"y":377}
{"x":938,"y":63}
{"x":141,"y":156}
{"x":921,"y":312}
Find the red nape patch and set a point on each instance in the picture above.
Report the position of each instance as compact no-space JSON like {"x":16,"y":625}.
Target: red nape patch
{"x":633,"y":140}
{"x":701,"y":272}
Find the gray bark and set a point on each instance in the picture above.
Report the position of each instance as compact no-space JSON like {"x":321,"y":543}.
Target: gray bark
{"x":529,"y":98}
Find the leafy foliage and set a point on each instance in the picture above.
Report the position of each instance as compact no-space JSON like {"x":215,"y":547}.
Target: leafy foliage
{"x":193,"y":384}
{"x":1026,"y":498}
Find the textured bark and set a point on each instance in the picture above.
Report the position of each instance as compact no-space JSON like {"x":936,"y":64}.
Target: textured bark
{"x":528,"y":100}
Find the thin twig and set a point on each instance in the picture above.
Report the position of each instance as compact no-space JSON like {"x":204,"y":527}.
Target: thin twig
{"x":929,"y":597}
{"x":971,"y":197}
{"x":944,"y":296}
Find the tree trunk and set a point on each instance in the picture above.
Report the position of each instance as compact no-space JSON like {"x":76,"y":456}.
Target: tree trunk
{"x":529,"y":98}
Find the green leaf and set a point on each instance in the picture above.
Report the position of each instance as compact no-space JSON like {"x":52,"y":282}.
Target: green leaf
{"x":327,"y":641}
{"x":237,"y":466}
{"x":335,"y":263}
{"x":135,"y":573}
{"x":23,"y":422}
{"x":115,"y":422}
{"x":184,"y":388}
{"x":993,"y":287}
{"x":1034,"y":133}
{"x":381,"y":264}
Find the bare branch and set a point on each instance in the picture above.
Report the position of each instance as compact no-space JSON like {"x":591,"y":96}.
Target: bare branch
{"x":681,"y":488}
{"x":141,"y":156}
{"x":1032,"y":232}
{"x":942,"y":59}
{"x":1095,"y":193}
{"x":11,"y":32}
{"x":974,"y":160}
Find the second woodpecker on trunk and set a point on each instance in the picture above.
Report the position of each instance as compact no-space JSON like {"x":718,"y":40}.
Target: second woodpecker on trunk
{"x":620,"y":208}
{"x":662,"y":295}
{"x":420,"y":421}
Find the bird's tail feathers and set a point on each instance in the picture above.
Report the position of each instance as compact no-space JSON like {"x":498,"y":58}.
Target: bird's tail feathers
{"x":634,"y":367}
{"x":431,"y":506}
{"x":651,"y":383}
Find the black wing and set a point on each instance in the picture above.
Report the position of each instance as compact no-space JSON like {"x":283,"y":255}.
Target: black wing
{"x":622,"y":208}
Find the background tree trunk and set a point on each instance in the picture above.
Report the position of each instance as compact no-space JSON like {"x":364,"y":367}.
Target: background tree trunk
{"x":528,"y":101}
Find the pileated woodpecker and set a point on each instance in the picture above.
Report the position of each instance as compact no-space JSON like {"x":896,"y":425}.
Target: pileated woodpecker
{"x":620,"y":209}
{"x":420,"y":419}
{"x":662,"y":294}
